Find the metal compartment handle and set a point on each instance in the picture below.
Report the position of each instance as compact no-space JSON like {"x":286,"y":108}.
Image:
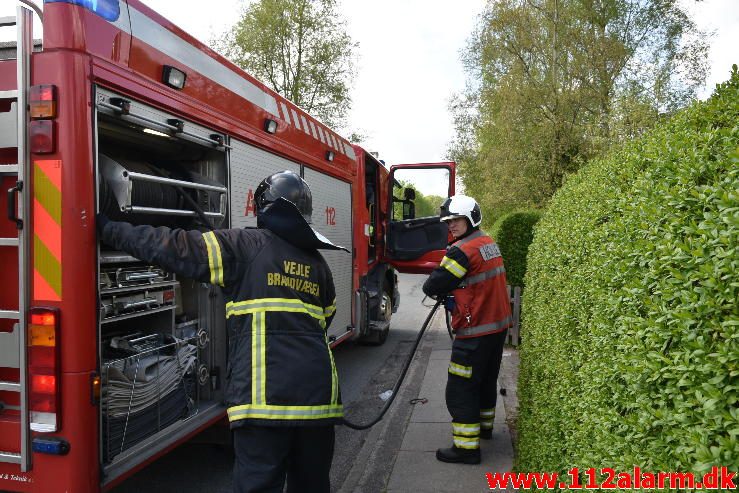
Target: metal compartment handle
{"x":136,"y":304}
{"x":12,"y":200}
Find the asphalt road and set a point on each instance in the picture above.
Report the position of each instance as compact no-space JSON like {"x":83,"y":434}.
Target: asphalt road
{"x":364,"y":373}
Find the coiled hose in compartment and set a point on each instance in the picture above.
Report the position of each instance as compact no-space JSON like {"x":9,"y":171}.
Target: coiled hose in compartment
{"x":144,"y":193}
{"x":116,"y":190}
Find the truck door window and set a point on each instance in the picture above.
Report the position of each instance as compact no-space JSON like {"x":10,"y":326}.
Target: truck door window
{"x":419,"y":192}
{"x":370,"y":176}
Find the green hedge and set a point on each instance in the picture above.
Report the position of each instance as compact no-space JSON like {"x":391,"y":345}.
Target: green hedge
{"x":513,"y":232}
{"x":632,"y":349}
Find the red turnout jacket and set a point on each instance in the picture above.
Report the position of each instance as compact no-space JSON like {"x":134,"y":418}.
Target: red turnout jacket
{"x":472,"y":270}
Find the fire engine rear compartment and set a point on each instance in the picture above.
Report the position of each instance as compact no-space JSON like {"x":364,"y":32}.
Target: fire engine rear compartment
{"x":162,"y":346}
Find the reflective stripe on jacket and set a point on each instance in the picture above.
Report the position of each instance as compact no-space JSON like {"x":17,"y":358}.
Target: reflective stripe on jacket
{"x":482,"y":305}
{"x":280,"y":301}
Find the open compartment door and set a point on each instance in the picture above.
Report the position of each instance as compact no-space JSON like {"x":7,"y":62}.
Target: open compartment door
{"x":416,"y":238}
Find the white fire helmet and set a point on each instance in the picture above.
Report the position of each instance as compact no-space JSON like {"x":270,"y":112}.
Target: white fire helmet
{"x":461,"y":206}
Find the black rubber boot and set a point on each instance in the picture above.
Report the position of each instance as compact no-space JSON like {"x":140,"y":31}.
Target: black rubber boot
{"x":458,"y":455}
{"x":486,"y":434}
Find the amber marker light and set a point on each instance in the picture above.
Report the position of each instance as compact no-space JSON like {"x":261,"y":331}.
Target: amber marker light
{"x":43,"y":102}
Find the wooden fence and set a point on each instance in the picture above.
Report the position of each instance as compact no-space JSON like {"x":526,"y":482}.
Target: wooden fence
{"x":514,"y":334}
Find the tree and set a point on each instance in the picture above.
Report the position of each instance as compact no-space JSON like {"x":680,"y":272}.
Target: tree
{"x":300,"y":49}
{"x":554,"y":82}
{"x":424,"y":205}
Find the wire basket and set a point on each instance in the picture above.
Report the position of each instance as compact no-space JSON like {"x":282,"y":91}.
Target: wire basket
{"x":148,"y":383}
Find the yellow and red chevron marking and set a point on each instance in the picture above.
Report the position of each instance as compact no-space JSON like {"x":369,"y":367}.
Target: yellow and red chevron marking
{"x":47,"y":230}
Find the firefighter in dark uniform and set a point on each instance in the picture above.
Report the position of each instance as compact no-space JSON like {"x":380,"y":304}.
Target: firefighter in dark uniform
{"x":472,"y":277}
{"x":282,"y":389}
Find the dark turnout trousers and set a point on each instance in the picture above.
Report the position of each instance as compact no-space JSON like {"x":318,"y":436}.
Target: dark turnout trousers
{"x":266,"y":455}
{"x":471,"y":390}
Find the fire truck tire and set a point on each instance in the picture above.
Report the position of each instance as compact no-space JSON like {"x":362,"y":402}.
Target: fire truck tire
{"x":385,"y":312}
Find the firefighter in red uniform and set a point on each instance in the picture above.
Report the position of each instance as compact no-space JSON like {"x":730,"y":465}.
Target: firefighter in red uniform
{"x":282,"y":388}
{"x":472,"y":276}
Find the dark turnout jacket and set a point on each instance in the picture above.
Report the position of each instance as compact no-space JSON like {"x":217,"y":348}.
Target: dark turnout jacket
{"x":280,"y":301}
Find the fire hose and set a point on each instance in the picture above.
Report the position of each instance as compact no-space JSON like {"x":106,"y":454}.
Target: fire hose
{"x":399,"y":382}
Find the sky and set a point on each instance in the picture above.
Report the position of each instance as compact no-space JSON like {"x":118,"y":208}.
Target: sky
{"x":409,"y":61}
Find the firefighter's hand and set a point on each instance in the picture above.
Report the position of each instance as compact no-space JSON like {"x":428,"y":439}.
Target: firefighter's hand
{"x":101,"y":220}
{"x":449,"y":303}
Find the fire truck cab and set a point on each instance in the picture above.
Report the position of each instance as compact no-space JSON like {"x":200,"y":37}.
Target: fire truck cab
{"x":106,"y":362}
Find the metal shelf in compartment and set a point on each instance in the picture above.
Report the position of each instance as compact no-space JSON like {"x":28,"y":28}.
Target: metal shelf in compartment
{"x":115,"y":257}
{"x":136,"y":290}
{"x":134,"y":276}
{"x":138,"y":314}
{"x":165,"y":284}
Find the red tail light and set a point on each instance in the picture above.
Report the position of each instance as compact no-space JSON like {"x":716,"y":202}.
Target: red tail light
{"x":43,"y":369}
{"x":42,"y":133}
{"x":46,"y":318}
{"x":43,"y":384}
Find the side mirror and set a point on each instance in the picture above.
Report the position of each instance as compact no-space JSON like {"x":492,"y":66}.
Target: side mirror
{"x":409,"y":194}
{"x":409,"y":210}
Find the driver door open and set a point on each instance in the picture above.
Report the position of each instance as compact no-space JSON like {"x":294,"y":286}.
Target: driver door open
{"x":416,"y":238}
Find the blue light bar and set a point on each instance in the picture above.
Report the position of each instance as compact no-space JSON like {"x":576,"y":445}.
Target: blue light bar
{"x":50,"y":445}
{"x":109,"y":10}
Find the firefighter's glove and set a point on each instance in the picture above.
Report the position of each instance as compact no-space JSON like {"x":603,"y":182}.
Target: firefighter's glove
{"x":101,"y":220}
{"x":449,"y":303}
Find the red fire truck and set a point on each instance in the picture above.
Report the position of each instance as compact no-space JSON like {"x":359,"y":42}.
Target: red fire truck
{"x":107,"y":363}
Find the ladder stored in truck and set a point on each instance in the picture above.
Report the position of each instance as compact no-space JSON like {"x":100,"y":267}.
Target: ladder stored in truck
{"x":14,"y":248}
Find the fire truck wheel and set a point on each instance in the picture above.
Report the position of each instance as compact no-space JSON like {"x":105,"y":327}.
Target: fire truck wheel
{"x":377,"y":337}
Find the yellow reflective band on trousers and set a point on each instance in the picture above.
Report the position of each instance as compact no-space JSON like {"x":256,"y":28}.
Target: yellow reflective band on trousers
{"x":466,"y":435}
{"x":459,"y":370}
{"x":466,"y":429}
{"x":215,"y":261}
{"x":487,"y":416}
{"x":453,"y":267}
{"x":266,"y":411}
{"x":467,"y":442}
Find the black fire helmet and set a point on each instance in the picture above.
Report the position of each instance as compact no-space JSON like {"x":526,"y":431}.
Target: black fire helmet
{"x":288,"y":185}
